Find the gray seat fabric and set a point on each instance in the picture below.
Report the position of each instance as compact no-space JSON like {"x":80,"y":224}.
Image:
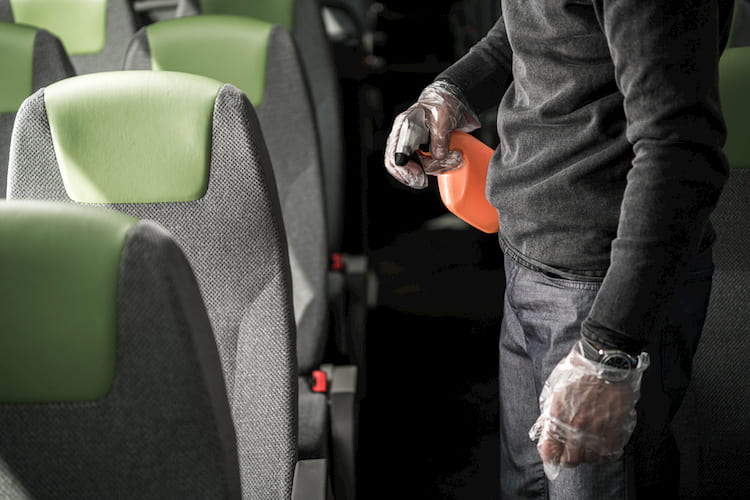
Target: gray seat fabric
{"x":288,"y":126}
{"x":164,"y":430}
{"x":712,"y":428}
{"x":234,"y":239}
{"x":287,"y":123}
{"x":50,"y":64}
{"x":740,"y":36}
{"x":121,"y":24}
{"x":309,"y":31}
{"x":317,"y":60}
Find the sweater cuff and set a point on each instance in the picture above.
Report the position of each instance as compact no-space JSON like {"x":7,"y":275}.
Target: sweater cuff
{"x":608,"y":339}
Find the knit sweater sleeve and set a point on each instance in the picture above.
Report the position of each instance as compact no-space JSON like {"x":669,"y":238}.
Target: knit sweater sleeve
{"x":484,"y":73}
{"x":665,"y":55}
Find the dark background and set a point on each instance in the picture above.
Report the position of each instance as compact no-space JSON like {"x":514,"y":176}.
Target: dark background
{"x":428,"y":422}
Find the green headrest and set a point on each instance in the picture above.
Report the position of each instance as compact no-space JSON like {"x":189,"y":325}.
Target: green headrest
{"x":272,"y":11}
{"x":230,"y":49}
{"x":133,"y":136}
{"x":734,"y":82}
{"x":81,"y":25}
{"x":58,"y":296}
{"x":17,"y":63}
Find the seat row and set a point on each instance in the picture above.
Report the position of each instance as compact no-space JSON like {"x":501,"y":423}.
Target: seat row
{"x":180,"y":149}
{"x":96,"y":33}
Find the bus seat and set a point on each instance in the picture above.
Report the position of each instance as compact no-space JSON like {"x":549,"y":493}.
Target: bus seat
{"x":349,"y":282}
{"x":712,"y":428}
{"x":30,"y":59}
{"x":111,"y":381}
{"x":261,"y":59}
{"x":304,"y":20}
{"x":95,"y":33}
{"x":187,"y":152}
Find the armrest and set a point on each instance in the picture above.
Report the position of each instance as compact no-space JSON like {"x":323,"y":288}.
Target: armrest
{"x":311,"y":480}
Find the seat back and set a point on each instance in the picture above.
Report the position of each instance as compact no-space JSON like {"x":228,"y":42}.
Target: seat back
{"x":734,"y":78}
{"x":740,"y":33}
{"x":712,"y":427}
{"x":112,"y":386}
{"x":30,"y":59}
{"x":304,"y":20}
{"x":187,"y":152}
{"x":95,"y":33}
{"x":261,"y":59}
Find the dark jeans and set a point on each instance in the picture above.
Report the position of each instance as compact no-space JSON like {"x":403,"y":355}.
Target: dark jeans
{"x":541,"y":323}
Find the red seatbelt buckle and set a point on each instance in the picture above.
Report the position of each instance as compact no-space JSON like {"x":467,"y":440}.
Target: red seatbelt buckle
{"x":337,"y":262}
{"x":319,"y":381}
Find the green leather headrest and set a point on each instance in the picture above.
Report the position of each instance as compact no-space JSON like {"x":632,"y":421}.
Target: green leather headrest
{"x":58,"y":296}
{"x":81,"y":25}
{"x":272,"y":11}
{"x":230,"y":49}
{"x":133,"y":136}
{"x":17,"y":63}
{"x":734,"y":82}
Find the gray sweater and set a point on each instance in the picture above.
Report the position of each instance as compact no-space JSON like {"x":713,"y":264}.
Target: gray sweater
{"x":611,"y":134}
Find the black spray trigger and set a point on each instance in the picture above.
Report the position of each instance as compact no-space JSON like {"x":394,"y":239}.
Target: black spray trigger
{"x":413,"y":134}
{"x":401,"y":159}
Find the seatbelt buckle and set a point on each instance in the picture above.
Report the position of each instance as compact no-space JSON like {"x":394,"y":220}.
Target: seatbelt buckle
{"x":319,"y":381}
{"x":337,"y":262}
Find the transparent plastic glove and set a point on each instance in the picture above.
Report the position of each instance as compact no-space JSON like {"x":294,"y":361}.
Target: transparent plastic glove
{"x":439,"y":110}
{"x":584,"y":416}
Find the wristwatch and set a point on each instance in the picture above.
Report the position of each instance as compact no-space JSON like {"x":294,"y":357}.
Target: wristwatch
{"x":615,"y":365}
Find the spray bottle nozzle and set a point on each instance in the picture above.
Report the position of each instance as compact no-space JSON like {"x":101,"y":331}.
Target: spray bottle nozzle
{"x":414,"y":136}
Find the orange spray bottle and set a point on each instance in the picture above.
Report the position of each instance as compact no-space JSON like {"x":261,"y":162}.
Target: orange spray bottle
{"x":462,"y":190}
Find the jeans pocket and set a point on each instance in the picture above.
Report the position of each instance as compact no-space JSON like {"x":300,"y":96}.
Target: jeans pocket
{"x":571,"y":284}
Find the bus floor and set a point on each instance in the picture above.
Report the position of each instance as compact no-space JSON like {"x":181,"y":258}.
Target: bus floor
{"x":428,"y":422}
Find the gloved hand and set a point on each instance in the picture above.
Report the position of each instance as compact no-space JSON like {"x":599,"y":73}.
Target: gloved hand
{"x":443,"y":109}
{"x":585,"y":415}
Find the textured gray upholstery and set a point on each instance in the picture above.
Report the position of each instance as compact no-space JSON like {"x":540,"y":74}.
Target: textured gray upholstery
{"x":10,"y":486}
{"x":187,"y":8}
{"x":121,"y":24}
{"x":50,"y":64}
{"x":6,"y":13}
{"x":164,"y":431}
{"x":288,"y":125}
{"x":741,"y":24}
{"x":138,"y":54}
{"x":235,"y":241}
{"x":317,"y":60}
{"x":6,"y":128}
{"x":712,"y":428}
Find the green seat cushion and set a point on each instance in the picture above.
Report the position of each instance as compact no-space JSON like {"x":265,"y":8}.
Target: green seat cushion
{"x":230,"y":49}
{"x":17,"y":63}
{"x":58,"y":295}
{"x":734,"y":89}
{"x":272,"y":11}
{"x":133,"y":136}
{"x":81,"y":25}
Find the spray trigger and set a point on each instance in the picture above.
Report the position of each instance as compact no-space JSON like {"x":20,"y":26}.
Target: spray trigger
{"x":414,"y":136}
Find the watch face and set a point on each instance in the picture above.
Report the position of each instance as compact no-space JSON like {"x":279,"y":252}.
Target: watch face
{"x":616,"y":367}
{"x":617,"y":360}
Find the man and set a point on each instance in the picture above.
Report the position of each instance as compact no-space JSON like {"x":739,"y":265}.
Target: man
{"x":609,"y":165}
